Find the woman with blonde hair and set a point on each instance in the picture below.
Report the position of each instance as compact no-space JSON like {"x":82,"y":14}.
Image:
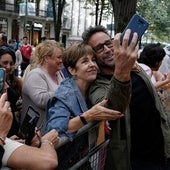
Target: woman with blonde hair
{"x":33,"y":63}
{"x":41,"y":82}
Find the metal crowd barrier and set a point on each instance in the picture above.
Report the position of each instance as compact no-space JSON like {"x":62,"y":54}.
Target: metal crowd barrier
{"x":94,"y":157}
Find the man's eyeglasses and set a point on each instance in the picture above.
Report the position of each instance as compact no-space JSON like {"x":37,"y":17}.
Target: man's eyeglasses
{"x":100,"y":47}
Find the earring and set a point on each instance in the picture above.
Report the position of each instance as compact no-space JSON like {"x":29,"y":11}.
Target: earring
{"x":74,"y":77}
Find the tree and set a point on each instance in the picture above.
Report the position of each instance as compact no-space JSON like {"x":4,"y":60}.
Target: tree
{"x":37,"y":7}
{"x":123,"y":11}
{"x":57,"y":18}
{"x":101,"y":8}
{"x":157,"y":13}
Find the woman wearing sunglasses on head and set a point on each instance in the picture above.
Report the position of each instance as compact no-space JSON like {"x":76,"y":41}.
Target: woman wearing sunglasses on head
{"x":20,"y":156}
{"x":7,"y":61}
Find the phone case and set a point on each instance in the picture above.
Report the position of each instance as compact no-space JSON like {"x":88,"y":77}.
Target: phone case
{"x":136,"y":24}
{"x":27,"y":130}
{"x":2,"y":79}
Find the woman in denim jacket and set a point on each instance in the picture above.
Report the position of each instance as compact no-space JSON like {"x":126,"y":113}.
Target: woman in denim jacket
{"x":67,"y":111}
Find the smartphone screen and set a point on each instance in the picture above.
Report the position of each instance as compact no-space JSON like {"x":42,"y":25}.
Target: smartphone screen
{"x":2,"y":79}
{"x":136,"y":24}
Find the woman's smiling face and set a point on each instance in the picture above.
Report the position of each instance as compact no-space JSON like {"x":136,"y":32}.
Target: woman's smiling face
{"x":86,"y":68}
{"x":6,"y":62}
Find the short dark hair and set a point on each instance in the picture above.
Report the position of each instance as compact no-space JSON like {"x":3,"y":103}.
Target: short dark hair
{"x":73,"y":53}
{"x":92,"y":30}
{"x":7,"y":50}
{"x":152,"y":54}
{"x":25,"y":37}
{"x":11,"y":41}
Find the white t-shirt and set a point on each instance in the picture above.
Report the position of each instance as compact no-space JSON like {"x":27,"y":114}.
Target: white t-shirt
{"x":9,"y":148}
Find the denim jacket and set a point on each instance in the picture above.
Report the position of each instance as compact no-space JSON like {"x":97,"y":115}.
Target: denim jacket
{"x":67,"y":103}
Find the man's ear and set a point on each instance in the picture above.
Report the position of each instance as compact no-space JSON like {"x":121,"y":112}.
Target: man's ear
{"x":72,"y":71}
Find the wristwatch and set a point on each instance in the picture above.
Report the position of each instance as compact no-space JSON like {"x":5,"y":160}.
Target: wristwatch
{"x":83,"y":120}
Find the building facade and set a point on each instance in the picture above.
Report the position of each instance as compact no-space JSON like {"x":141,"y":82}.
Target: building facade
{"x":37,"y":21}
{"x":15,"y":22}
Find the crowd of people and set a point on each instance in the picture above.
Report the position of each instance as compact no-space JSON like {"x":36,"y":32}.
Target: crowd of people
{"x":98,"y":79}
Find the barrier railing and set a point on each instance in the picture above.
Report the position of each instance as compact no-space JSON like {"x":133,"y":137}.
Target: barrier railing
{"x":93,"y":158}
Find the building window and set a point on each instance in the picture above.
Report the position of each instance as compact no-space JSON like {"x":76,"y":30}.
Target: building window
{"x":3,"y":25}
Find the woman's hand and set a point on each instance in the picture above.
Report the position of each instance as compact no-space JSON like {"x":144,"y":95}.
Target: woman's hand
{"x":36,"y":140}
{"x":5,"y":116}
{"x":52,"y":137}
{"x":99,"y":112}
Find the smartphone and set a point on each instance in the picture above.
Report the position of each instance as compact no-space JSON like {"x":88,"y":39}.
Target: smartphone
{"x":136,"y":24}
{"x":27,"y":129}
{"x":2,"y":79}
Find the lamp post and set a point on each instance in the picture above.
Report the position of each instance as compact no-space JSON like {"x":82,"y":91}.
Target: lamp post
{"x":26,"y":14}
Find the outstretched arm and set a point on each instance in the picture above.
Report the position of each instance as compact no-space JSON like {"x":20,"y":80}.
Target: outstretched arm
{"x":28,"y":157}
{"x":5,"y":122}
{"x":118,"y":89}
{"x":125,"y":56}
{"x":97,"y":112}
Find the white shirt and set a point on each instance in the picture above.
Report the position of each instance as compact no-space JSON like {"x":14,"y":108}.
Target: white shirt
{"x":9,"y":148}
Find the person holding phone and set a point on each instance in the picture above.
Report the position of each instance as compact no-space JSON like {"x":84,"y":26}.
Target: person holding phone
{"x":5,"y":122}
{"x":141,"y":139}
{"x":7,"y":61}
{"x":20,"y":156}
{"x":41,"y":82}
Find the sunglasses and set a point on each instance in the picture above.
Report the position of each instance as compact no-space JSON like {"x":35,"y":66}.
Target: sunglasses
{"x":100,"y":47}
{"x":7,"y":50}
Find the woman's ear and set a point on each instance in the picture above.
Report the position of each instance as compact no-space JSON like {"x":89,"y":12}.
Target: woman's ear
{"x":46,"y":58}
{"x":72,"y":71}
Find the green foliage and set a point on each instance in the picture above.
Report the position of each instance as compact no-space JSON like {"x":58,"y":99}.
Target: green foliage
{"x":157,"y":13}
{"x":20,"y":1}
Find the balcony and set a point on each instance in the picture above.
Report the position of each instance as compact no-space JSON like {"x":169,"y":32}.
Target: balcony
{"x":8,"y":7}
{"x":14,"y":8}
